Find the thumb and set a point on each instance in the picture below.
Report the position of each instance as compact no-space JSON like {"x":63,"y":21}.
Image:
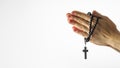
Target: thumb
{"x":97,"y":14}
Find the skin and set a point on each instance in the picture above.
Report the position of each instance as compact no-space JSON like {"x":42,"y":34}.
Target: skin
{"x":105,"y":34}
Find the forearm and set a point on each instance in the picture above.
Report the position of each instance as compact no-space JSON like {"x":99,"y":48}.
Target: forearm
{"x":114,"y":41}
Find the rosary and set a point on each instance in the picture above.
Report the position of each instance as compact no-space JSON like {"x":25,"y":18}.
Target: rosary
{"x":91,"y":30}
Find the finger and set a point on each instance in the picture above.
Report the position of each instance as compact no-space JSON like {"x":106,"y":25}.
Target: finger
{"x":80,"y":32}
{"x":81,"y":15}
{"x":97,"y":14}
{"x":79,"y":20}
{"x":79,"y":26}
{"x":68,"y":15}
{"x":85,"y":16}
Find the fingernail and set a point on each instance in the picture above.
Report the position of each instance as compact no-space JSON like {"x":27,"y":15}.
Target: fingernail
{"x":72,"y":22}
{"x":68,"y":15}
{"x":73,"y":12}
{"x":75,"y":29}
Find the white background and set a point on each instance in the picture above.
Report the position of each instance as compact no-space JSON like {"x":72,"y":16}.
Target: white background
{"x":36,"y":34}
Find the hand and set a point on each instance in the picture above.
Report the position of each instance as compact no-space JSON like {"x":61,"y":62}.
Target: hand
{"x":104,"y":32}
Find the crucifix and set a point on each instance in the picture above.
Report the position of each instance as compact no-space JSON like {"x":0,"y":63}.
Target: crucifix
{"x":91,"y":30}
{"x":85,"y":52}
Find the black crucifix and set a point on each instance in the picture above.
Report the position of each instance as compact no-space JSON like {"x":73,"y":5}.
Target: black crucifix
{"x":91,"y":30}
{"x":85,"y":52}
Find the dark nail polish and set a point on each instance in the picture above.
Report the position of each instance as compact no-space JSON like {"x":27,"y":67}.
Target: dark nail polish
{"x":75,"y":29}
{"x":71,"y":22}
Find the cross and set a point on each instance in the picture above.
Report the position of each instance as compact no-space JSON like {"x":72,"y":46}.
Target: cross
{"x":85,"y":52}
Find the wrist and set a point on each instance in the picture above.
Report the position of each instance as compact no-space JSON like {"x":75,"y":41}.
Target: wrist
{"x":114,"y":41}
